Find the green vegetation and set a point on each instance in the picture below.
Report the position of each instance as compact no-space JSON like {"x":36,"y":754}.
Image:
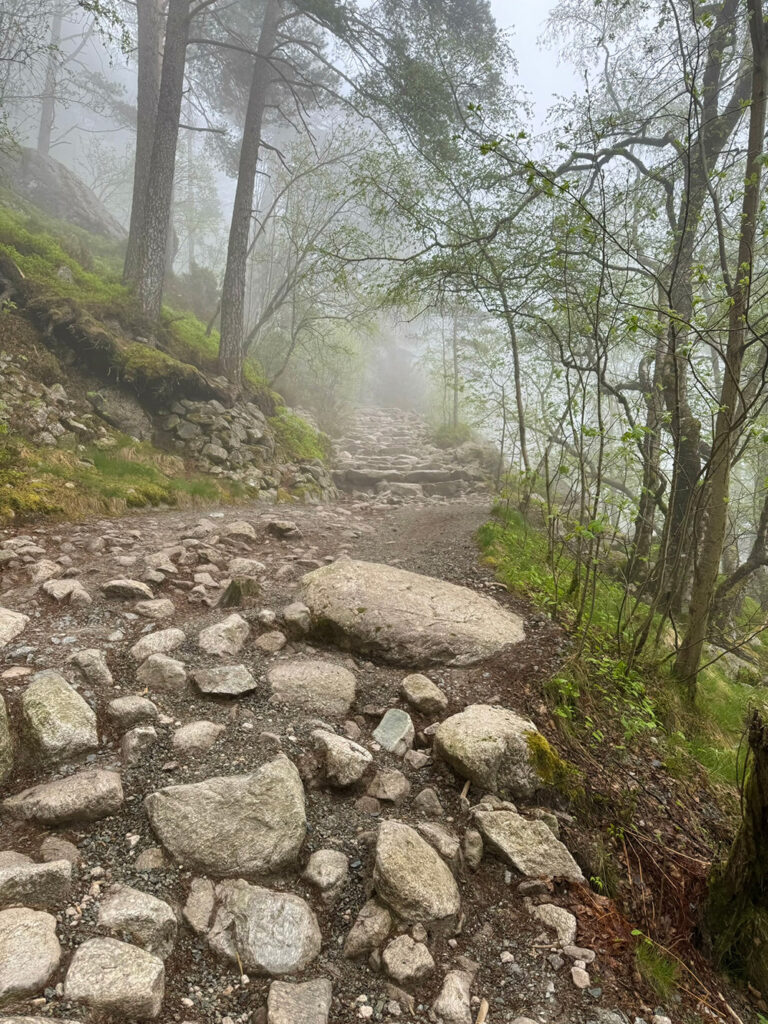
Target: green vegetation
{"x":594,"y":697}
{"x":50,"y":481}
{"x":449,"y":436}
{"x":295,"y":439}
{"x":658,"y":970}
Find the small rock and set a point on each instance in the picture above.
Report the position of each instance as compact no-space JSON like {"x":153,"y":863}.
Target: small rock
{"x":93,"y":665}
{"x":389,"y":784}
{"x":345,"y":762}
{"x":226,"y":637}
{"x":129,"y":589}
{"x":115,"y":978}
{"x":29,"y":952}
{"x":529,"y":846}
{"x":316,"y":686}
{"x":327,"y":870}
{"x":162,"y":674}
{"x":226,"y":680}
{"x":198,"y":910}
{"x":162,"y":642}
{"x":136,"y":742}
{"x":55,"y":848}
{"x":297,"y":618}
{"x":57,"y":720}
{"x":453,"y":1005}
{"x":11,"y":625}
{"x":146,"y":920}
{"x":40,"y":886}
{"x":305,"y":1003}
{"x":472,"y":848}
{"x":427,"y":802}
{"x":86,"y":796}
{"x":371,"y":928}
{"x":126,"y":712}
{"x":395,"y":732}
{"x":411,"y":878}
{"x":559,"y":919}
{"x":157,"y":609}
{"x":580,"y":977}
{"x":265,"y":931}
{"x":407,"y":961}
{"x":422,"y":694}
{"x":197,"y":737}
{"x":68,"y":590}
{"x":271,"y":642}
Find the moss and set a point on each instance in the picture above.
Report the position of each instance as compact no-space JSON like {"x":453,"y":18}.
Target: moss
{"x":296,"y":440}
{"x":552,"y":769}
{"x":21,"y":498}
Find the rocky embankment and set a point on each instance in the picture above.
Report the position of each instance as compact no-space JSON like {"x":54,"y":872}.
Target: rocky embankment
{"x":255,"y":769}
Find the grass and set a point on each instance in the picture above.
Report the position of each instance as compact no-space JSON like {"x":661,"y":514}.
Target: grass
{"x":594,"y":697}
{"x":70,"y":485}
{"x":658,"y":971}
{"x":297,"y":440}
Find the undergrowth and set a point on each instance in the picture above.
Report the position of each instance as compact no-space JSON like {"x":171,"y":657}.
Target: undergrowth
{"x":594,"y":697}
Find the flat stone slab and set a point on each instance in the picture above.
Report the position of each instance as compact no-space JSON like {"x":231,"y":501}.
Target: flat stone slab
{"x":225,"y":680}
{"x":529,"y":846}
{"x":11,"y":625}
{"x":233,"y":826}
{"x":317,"y":687}
{"x":405,"y":618}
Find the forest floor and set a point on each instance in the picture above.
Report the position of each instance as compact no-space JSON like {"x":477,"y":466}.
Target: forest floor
{"x":642,"y":835}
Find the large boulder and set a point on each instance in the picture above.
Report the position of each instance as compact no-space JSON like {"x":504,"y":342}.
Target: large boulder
{"x":57,"y":720}
{"x":529,"y":846}
{"x":489,"y":746}
{"x":29,"y":952}
{"x":233,"y":826}
{"x":404,"y":617}
{"x":85,"y":796}
{"x":315,"y":686}
{"x":116,"y":978}
{"x":267,"y":932}
{"x":57,"y":191}
{"x":412,"y":878}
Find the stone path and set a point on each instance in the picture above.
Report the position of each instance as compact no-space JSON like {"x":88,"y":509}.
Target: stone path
{"x":213,"y":813}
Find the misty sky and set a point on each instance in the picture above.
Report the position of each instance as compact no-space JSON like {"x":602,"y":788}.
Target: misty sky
{"x":540,"y":72}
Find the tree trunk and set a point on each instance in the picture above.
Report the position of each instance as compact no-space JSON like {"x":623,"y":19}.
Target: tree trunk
{"x":48,"y":111}
{"x":232,"y":348}
{"x":736,"y":914}
{"x":150,"y":39}
{"x":153,"y":240}
{"x":455,"y":366}
{"x":729,"y":422}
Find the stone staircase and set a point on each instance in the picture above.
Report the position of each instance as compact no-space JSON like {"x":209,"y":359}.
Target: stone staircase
{"x":389,"y":452}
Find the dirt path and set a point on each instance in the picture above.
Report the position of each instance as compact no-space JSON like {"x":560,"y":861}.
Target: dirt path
{"x":515,"y":963}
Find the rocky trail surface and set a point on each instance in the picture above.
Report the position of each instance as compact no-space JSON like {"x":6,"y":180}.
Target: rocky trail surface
{"x":256,"y":769}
